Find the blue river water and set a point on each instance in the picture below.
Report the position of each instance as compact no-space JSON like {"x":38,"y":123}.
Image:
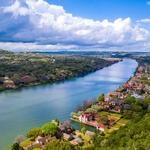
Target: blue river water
{"x":30,"y":107}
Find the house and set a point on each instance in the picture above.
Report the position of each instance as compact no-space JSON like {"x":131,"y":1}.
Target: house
{"x":126,"y":86}
{"x":135,"y":87}
{"x":68,"y":137}
{"x":140,"y":69}
{"x":86,"y":117}
{"x":43,"y":140}
{"x":100,"y":126}
{"x":26,"y":79}
{"x":108,"y":98}
{"x":66,"y":127}
{"x":114,"y":94}
{"x":138,"y":96}
{"x":9,"y":83}
{"x":90,"y":134}
{"x":77,"y":141}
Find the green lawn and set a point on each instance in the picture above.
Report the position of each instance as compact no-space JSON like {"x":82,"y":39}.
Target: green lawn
{"x":123,"y":121}
{"x":115,"y":115}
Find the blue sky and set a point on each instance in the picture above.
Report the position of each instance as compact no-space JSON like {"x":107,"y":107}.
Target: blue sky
{"x":55,"y":25}
{"x":102,"y":9}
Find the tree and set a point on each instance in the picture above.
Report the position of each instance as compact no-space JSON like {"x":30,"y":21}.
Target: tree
{"x":49,"y":129}
{"x":33,"y":133}
{"x":83,"y":129}
{"x":59,"y":145}
{"x":130,"y":100}
{"x":91,"y":110}
{"x":101,"y":98}
{"x":103,"y":119}
{"x":56,"y":121}
{"x":16,"y":146}
{"x":96,"y":107}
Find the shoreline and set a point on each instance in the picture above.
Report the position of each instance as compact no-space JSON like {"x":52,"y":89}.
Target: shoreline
{"x":87,"y":123}
{"x":60,"y":81}
{"x":108,"y":67}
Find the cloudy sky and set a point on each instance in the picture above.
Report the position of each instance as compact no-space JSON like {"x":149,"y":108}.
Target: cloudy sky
{"x":54,"y":25}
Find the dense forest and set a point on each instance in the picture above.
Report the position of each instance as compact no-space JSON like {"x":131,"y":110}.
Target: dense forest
{"x":26,"y":69}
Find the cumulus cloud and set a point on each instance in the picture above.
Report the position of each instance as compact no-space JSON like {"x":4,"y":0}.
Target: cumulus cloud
{"x":39,"y":25}
{"x":19,"y":46}
{"x":144,"y":20}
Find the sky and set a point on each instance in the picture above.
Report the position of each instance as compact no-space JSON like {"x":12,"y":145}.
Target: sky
{"x":85,"y":25}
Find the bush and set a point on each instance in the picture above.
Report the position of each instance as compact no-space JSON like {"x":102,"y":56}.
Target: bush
{"x":33,"y":133}
{"x":49,"y":129}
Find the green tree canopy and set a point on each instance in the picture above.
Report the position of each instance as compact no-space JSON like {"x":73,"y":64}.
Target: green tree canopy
{"x":33,"y":133}
{"x":103,"y":119}
{"x":16,"y":146}
{"x":59,"y":145}
{"x":100,"y":98}
{"x":49,"y":128}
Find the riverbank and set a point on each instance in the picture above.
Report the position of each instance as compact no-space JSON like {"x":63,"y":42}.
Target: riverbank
{"x":27,"y":69}
{"x":109,"y":113}
{"x":33,"y":106}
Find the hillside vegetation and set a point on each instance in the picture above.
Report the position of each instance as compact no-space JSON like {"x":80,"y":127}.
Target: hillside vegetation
{"x":26,"y":69}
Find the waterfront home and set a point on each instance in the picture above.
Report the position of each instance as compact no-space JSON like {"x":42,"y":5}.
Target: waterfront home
{"x":9,"y":83}
{"x":103,"y":105}
{"x":85,"y":117}
{"x":140,"y":69}
{"x":107,"y":98}
{"x":114,"y":105}
{"x":68,"y":137}
{"x":136,"y":87}
{"x":42,"y":140}
{"x":114,"y":94}
{"x":138,"y":76}
{"x":115,"y":108}
{"x":147,"y":89}
{"x":77,"y":141}
{"x":100,"y":127}
{"x":138,"y":96}
{"x":90,"y":134}
{"x":66,"y":127}
{"x":26,"y":79}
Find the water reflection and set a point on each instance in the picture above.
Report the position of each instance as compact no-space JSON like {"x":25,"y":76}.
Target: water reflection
{"x":30,"y":107}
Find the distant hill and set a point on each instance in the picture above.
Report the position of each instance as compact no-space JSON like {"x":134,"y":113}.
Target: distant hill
{"x":5,"y":52}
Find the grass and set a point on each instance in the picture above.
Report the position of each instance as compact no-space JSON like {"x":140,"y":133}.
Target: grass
{"x":108,"y":131}
{"x":37,"y":149}
{"x":83,"y":136}
{"x":123,"y":121}
{"x":115,"y":115}
{"x":103,"y":113}
{"x":117,"y":126}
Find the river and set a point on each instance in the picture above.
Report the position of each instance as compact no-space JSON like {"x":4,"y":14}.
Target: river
{"x":30,"y":107}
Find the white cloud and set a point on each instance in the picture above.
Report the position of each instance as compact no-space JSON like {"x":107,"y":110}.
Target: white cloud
{"x":16,"y":9}
{"x":144,"y":20}
{"x":52,"y":27}
{"x":18,"y":46}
